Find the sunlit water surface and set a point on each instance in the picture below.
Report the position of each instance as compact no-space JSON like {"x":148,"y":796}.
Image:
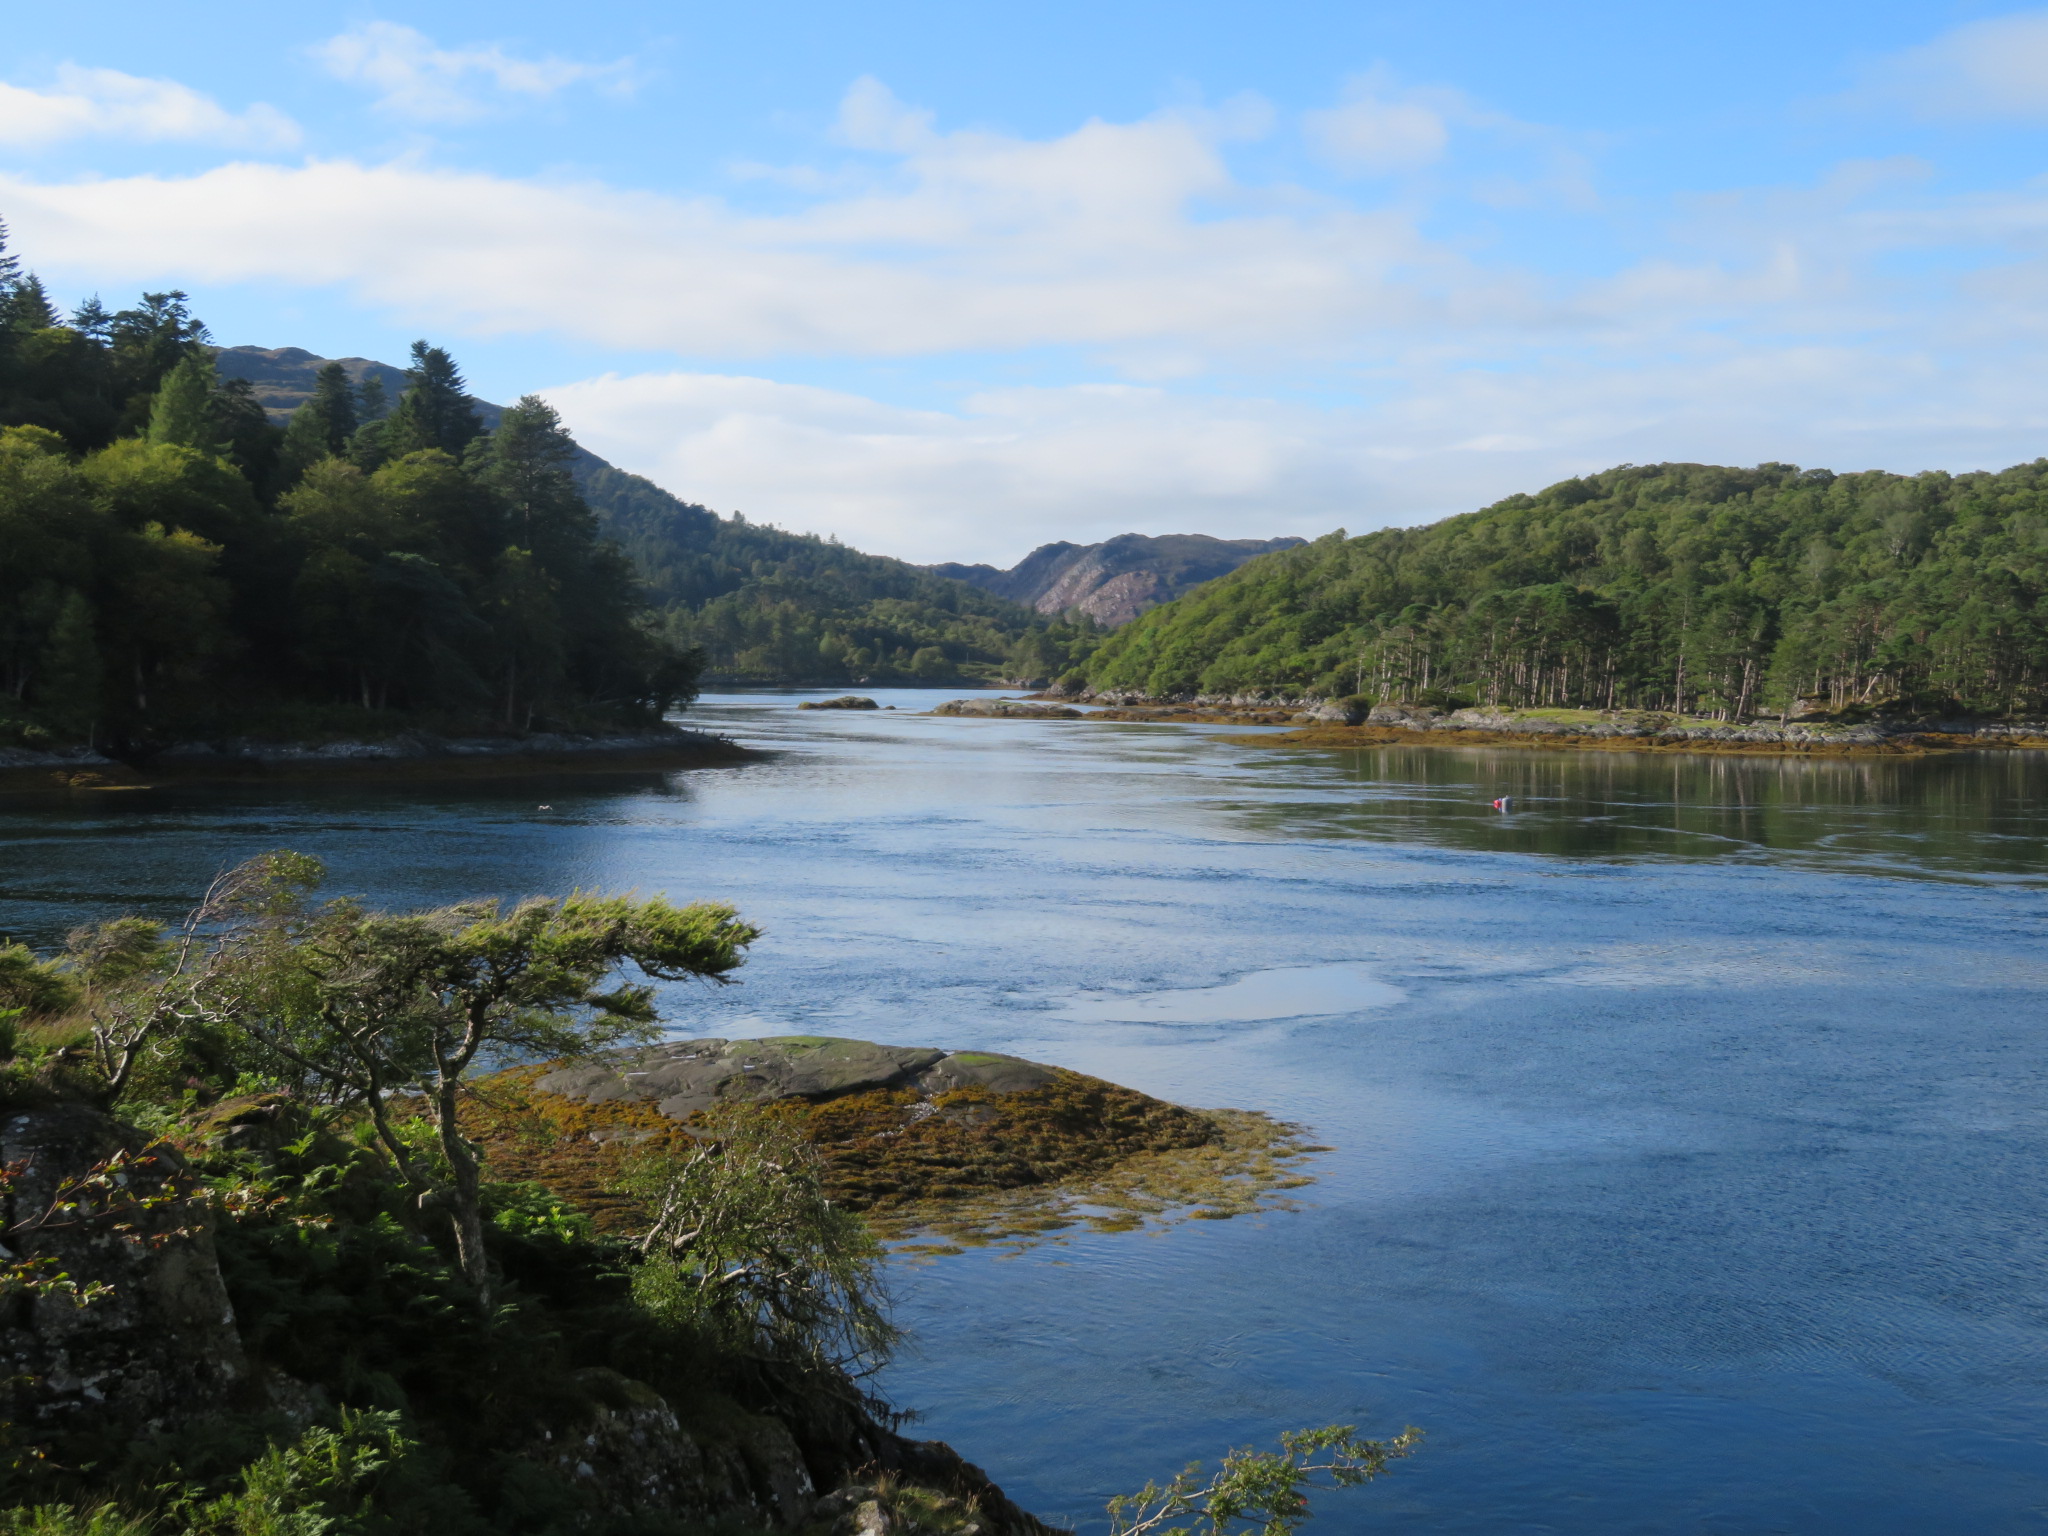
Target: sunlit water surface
{"x":1688,"y":1121}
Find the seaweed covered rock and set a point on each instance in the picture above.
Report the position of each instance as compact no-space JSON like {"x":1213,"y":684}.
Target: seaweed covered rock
{"x":897,"y":1125}
{"x":845,"y":701}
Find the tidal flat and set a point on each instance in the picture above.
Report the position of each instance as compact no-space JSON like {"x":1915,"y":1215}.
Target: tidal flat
{"x":1686,"y":1140}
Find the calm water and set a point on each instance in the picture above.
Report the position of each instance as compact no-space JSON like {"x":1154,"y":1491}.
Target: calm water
{"x":1689,"y":1121}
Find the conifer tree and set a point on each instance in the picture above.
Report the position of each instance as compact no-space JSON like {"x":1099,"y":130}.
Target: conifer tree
{"x":185,"y":413}
{"x":10,"y":266}
{"x":92,"y":318}
{"x":435,"y":411}
{"x":28,"y":305}
{"x":527,"y":462}
{"x":324,"y":425}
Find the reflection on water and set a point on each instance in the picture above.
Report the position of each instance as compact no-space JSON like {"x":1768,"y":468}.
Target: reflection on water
{"x":1702,"y":1138}
{"x":1955,"y":814}
{"x":1298,"y":992}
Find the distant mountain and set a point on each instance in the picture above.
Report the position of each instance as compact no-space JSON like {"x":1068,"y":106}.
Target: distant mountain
{"x":1114,"y":581}
{"x":282,"y":377}
{"x":766,"y":606}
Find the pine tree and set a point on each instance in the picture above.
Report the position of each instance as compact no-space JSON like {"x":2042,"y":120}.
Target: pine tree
{"x":185,"y":413}
{"x":10,"y":266}
{"x":527,"y":463}
{"x":29,"y":307}
{"x":68,"y":683}
{"x":323,"y":426}
{"x":92,"y":318}
{"x":435,"y":411}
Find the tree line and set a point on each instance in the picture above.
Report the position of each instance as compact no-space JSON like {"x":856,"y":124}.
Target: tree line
{"x":177,"y":564}
{"x":1687,"y":588}
{"x":766,"y":606}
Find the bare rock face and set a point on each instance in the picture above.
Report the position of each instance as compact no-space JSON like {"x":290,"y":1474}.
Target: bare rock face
{"x":1114,"y":581}
{"x":683,"y":1077}
{"x":162,"y":1346}
{"x":632,"y":1454}
{"x":845,"y":701}
{"x":1415,"y":717}
{"x":1340,"y":712}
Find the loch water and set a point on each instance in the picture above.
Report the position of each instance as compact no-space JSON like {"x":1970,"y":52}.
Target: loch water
{"x":1688,"y":1121}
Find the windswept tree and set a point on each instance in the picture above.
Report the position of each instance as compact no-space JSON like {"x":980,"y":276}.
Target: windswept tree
{"x":744,"y":1247}
{"x":391,"y":1014}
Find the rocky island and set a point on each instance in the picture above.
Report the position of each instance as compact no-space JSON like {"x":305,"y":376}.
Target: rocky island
{"x":972,"y":1145}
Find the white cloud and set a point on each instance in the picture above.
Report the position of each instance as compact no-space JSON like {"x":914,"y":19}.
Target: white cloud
{"x":979,"y":240}
{"x":1986,"y":70}
{"x":1380,"y":128}
{"x":870,"y":117}
{"x":1083,"y":462}
{"x":105,"y":103}
{"x":1778,"y":324}
{"x":416,"y":79}
{"x":1010,"y":469}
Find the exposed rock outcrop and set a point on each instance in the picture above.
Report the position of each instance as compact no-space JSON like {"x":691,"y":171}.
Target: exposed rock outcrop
{"x":1114,"y":581}
{"x":845,"y":701}
{"x":1007,"y":709}
{"x":684,"y":1077}
{"x":159,"y":1344}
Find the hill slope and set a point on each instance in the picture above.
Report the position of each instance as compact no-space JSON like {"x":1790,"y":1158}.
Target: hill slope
{"x":1114,"y":581}
{"x":763,"y":605}
{"x":1667,"y":586}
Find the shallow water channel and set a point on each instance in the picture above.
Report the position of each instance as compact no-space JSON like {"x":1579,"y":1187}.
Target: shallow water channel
{"x":1688,"y":1121}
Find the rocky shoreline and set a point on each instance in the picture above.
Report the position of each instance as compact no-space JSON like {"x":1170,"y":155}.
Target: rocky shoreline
{"x":411,"y":753}
{"x":1346,"y":723}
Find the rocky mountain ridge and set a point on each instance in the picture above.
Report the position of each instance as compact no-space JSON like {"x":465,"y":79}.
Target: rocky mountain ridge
{"x":1117,"y":579}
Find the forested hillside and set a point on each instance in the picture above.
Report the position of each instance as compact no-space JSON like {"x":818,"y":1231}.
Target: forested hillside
{"x":175,"y":564}
{"x":763,"y":605}
{"x":758,"y":604}
{"x":1685,"y":587}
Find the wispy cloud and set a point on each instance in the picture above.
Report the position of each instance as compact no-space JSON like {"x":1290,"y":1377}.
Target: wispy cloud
{"x":416,"y":79}
{"x":1986,"y":71}
{"x":1379,"y":126}
{"x":105,"y":103}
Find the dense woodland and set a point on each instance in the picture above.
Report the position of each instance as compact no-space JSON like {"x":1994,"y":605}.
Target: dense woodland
{"x":176,"y":564}
{"x":763,"y":605}
{"x":1680,"y":587}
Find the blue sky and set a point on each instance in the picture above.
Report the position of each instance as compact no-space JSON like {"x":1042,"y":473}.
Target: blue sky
{"x":953,"y":281}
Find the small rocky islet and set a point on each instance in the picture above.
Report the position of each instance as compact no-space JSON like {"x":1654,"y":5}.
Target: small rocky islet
{"x":973,"y":1145}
